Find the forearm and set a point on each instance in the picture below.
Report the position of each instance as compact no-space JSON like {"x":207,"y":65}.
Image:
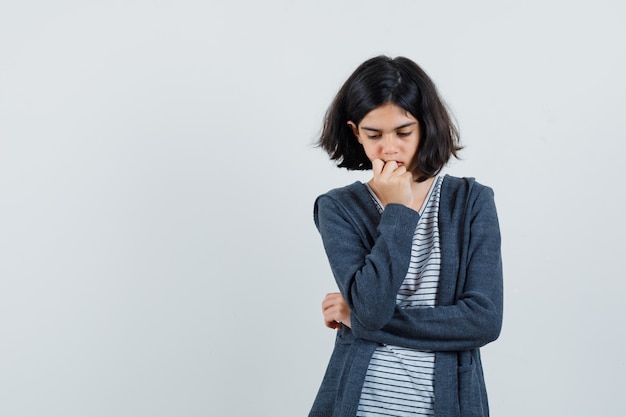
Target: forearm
{"x":368,"y":273}
{"x":471,"y":323}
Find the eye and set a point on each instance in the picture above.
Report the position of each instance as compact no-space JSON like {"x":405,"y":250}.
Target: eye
{"x":374,"y":136}
{"x":404,"y":134}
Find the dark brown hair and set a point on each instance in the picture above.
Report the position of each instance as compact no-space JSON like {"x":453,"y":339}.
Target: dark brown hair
{"x":383,"y":80}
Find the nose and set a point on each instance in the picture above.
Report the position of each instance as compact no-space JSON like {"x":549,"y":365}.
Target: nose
{"x":389,"y":144}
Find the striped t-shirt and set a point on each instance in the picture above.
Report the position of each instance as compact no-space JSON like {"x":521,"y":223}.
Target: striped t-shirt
{"x":400,"y":381}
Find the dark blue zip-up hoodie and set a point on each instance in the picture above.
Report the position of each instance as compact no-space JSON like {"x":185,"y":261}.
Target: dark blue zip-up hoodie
{"x":369,"y":255}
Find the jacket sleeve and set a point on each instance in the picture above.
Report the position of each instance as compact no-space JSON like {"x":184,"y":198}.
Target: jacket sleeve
{"x":368,"y":274}
{"x":475,"y":319}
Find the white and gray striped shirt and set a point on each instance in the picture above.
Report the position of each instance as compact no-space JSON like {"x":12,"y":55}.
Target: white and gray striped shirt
{"x":400,"y":381}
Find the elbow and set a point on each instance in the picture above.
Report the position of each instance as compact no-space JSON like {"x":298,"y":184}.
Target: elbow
{"x":492,"y":335}
{"x":490,"y":328}
{"x":485,"y":319}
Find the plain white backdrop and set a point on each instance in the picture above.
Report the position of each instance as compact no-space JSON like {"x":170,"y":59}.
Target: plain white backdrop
{"x":157,"y":250}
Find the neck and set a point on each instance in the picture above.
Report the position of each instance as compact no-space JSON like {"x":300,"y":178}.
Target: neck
{"x":420,"y":191}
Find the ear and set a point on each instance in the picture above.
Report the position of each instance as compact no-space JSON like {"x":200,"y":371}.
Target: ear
{"x":355,"y":129}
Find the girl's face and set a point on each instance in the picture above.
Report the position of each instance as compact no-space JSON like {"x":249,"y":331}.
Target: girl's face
{"x":389,"y":133}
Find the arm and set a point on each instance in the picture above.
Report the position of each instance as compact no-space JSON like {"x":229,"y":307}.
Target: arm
{"x":368,"y":269}
{"x":475,"y":319}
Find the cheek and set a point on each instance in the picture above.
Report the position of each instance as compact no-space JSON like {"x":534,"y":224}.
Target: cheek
{"x":414,"y":145}
{"x":371,"y":151}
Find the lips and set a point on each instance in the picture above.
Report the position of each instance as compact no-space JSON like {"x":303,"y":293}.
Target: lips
{"x":397,"y":162}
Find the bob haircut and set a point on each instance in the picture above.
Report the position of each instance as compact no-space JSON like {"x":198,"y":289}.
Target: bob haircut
{"x":383,"y":80}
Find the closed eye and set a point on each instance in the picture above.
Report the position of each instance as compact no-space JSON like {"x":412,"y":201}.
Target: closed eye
{"x":404,"y":134}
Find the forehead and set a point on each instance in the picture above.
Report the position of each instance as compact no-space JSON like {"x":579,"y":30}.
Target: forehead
{"x":387,"y":116}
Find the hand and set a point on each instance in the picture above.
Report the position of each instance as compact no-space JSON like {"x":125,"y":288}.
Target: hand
{"x":392,"y":183}
{"x":335,"y":310}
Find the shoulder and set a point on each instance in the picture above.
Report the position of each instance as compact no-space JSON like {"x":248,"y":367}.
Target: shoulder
{"x":467,"y":184}
{"x":355,"y":190}
{"x":454,"y":187}
{"x":351,"y":201}
{"x":349,"y":195}
{"x":464,"y":195}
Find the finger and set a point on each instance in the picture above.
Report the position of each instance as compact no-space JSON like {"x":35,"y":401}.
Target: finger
{"x":332,"y":296}
{"x":390,"y":166}
{"x":333,"y":325}
{"x":331,"y":313}
{"x":332,"y":316}
{"x":399,"y":171}
{"x":393,"y":169}
{"x":329,"y":300}
{"x":327,"y":305}
{"x":335,"y":314}
{"x":377,"y":166}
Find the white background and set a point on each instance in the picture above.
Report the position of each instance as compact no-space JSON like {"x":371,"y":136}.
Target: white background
{"x":157,"y":250}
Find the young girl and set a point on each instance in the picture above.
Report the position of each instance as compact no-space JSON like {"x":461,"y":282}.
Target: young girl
{"x":416,"y":254}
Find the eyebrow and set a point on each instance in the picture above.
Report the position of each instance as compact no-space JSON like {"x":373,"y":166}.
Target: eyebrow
{"x":371,"y":129}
